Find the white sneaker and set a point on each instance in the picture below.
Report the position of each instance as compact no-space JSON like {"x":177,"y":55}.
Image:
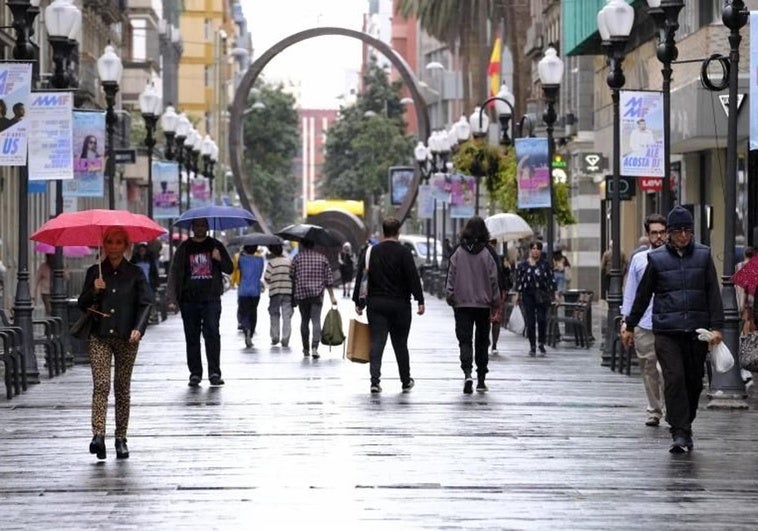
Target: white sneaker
{"x":494,"y":352}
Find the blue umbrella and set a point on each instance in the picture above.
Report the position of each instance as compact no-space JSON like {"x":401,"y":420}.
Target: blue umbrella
{"x":219,"y":217}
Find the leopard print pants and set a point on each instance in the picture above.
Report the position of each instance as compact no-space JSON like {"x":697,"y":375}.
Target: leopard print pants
{"x":124,"y":354}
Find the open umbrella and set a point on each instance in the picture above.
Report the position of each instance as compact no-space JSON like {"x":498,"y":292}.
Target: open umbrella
{"x":314,"y":233}
{"x":88,"y":226}
{"x":508,"y":226}
{"x":260,"y":238}
{"x":68,"y":250}
{"x":219,"y":217}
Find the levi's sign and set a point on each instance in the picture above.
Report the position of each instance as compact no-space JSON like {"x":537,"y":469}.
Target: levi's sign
{"x":651,"y":184}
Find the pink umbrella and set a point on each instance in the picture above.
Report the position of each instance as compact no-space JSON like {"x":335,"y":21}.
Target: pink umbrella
{"x":68,"y":250}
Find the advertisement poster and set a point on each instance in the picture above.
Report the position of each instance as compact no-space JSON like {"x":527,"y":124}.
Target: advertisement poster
{"x":89,"y":158}
{"x":442,"y":185}
{"x":165,"y":190}
{"x":462,"y":196}
{"x":200,"y":192}
{"x":401,"y":179}
{"x":532,"y":173}
{"x":15,"y":93}
{"x":51,"y":134}
{"x":641,"y":133}
{"x":425,"y":202}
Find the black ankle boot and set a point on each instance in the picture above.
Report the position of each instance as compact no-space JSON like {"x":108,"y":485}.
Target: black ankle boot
{"x":97,"y":446}
{"x":122,"y":451}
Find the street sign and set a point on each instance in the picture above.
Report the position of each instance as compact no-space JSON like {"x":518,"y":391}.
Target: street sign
{"x":627,"y":188}
{"x":592,"y":163}
{"x":651,"y":184}
{"x":125,"y":156}
{"x":724,"y":100}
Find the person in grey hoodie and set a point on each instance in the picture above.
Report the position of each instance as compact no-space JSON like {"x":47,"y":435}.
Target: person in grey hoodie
{"x":473,"y":292}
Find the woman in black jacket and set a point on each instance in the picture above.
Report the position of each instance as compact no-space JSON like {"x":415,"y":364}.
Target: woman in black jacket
{"x":536,"y":287}
{"x":117,"y":295}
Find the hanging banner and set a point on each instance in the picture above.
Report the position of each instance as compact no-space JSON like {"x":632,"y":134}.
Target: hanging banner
{"x":442,"y":186}
{"x":753,"y":80}
{"x":15,"y":93}
{"x":401,"y":178}
{"x":641,"y":133}
{"x":462,"y":196}
{"x":165,"y":190}
{"x":200,"y":192}
{"x":89,"y":160}
{"x":425,"y":202}
{"x":51,"y":134}
{"x":532,"y":173}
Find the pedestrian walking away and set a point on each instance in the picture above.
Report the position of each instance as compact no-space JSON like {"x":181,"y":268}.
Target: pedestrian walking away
{"x":473,"y":290}
{"x":505,"y":284}
{"x":277,"y":278}
{"x":536,"y":288}
{"x":195,"y":286}
{"x":644,"y":339}
{"x":118,"y":298}
{"x":392,"y":280}
{"x":347,"y":268}
{"x":311,"y":276}
{"x":248,"y":271}
{"x":682,"y":276}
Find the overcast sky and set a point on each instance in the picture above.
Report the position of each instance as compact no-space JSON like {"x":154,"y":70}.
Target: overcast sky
{"x":325,"y":67}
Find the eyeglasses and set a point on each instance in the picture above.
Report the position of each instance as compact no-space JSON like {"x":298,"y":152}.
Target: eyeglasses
{"x":657,"y":232}
{"x":681,"y":231}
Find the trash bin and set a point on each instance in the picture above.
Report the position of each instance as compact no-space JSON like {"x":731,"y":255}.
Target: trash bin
{"x":78,"y":347}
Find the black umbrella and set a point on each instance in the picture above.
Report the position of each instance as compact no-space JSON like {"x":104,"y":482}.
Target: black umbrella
{"x":314,"y":233}
{"x":260,"y":238}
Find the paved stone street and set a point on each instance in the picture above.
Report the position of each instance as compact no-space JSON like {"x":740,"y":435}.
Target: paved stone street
{"x":558,"y":442}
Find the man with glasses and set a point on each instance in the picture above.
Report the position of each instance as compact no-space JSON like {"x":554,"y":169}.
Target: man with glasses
{"x":644,"y":340}
{"x":683,"y":278}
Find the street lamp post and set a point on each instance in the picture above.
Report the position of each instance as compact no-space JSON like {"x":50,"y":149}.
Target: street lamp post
{"x":211,"y":170}
{"x":615,"y":23}
{"x":551,"y":73}
{"x":665,"y":13}
{"x":109,"y":69}
{"x":63,"y":21}
{"x":727,"y":389}
{"x":206,"y":146}
{"x":198,"y":142}
{"x":440,"y":68}
{"x":150,"y":106}
{"x":183,"y":129}
{"x":23,"y":50}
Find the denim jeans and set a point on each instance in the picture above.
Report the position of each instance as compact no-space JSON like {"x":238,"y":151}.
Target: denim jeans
{"x":205,"y":317}
{"x":535,"y":315}
{"x":310,"y":313}
{"x":280,"y":306}
{"x":393,"y":317}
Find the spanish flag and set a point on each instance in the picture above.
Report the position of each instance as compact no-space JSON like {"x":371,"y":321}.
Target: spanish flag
{"x":493,"y":70}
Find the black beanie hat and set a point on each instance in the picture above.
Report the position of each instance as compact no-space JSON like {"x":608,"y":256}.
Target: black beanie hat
{"x":680,"y":218}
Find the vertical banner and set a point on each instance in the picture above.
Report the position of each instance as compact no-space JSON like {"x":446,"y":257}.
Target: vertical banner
{"x":753,"y":80}
{"x":89,"y":159}
{"x":401,"y":178}
{"x":200,"y":192}
{"x":642,"y":134}
{"x":462,"y":196}
{"x":51,"y":134}
{"x":532,"y":173}
{"x":165,"y":190}
{"x":442,"y":185}
{"x":425,"y":202}
{"x":15,"y":93}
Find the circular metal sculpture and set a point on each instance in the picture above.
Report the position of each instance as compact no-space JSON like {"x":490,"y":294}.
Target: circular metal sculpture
{"x":246,"y":84}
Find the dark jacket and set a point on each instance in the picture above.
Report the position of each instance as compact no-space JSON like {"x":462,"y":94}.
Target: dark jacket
{"x":126,"y":299}
{"x":392,"y":274}
{"x":686,"y":289}
{"x":472,"y":277}
{"x":201,"y":280}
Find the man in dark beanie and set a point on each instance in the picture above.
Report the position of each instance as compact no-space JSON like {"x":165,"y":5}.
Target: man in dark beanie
{"x":683,"y":278}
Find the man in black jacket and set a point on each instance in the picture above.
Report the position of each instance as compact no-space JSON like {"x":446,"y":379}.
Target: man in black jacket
{"x":195,"y":285}
{"x":392,"y":279}
{"x":683,"y":278}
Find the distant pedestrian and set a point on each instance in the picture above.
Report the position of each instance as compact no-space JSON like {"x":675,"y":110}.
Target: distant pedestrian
{"x":561,"y":270}
{"x":249,"y":271}
{"x":118,"y":292}
{"x":644,"y":338}
{"x":605,"y":268}
{"x":143,"y":258}
{"x":392,"y":280}
{"x":277,"y":278}
{"x":505,"y":283}
{"x":347,"y":268}
{"x":311,"y":275}
{"x":682,"y":276}
{"x":643,"y":244}
{"x":472,"y":289}
{"x":195,"y":286}
{"x":536,"y":287}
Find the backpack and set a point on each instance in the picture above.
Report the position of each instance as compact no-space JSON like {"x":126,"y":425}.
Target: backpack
{"x":331,"y":331}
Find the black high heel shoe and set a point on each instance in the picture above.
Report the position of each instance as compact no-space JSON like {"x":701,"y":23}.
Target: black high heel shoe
{"x":122,"y":451}
{"x":97,"y":446}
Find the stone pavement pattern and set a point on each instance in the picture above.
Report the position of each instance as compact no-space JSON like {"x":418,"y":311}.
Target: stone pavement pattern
{"x":557,"y":442}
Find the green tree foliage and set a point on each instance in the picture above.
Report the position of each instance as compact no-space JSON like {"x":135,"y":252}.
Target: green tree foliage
{"x":270,"y":140}
{"x":365,"y":141}
{"x":497,"y":166}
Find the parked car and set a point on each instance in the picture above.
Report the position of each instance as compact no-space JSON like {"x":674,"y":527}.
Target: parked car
{"x":417,"y":243}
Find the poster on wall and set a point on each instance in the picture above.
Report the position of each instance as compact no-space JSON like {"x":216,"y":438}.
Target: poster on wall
{"x":15,"y":94}
{"x":641,"y":133}
{"x":89,"y":158}
{"x":532,"y":173}
{"x":200,"y":192}
{"x":425,"y":202}
{"x":165,"y":190}
{"x":51,"y":134}
{"x":401,"y":179}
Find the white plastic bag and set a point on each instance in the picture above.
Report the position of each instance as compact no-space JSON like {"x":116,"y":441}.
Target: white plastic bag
{"x":721,"y":358}
{"x":516,"y":321}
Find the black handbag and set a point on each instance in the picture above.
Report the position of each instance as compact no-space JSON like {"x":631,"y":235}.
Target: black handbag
{"x":82,"y":328}
{"x":543,"y":297}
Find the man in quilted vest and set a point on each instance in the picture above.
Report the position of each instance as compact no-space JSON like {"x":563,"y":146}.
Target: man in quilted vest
{"x":683,"y":278}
